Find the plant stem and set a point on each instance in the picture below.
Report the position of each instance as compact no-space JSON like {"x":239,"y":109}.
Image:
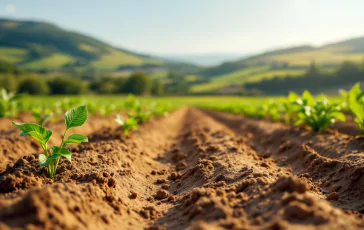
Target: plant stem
{"x":64,"y":134}
{"x":54,"y":166}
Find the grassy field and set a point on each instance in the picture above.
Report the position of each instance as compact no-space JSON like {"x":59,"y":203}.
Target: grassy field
{"x":253,"y":74}
{"x":227,"y":79}
{"x":116,"y":58}
{"x":324,"y":56}
{"x":12,"y":55}
{"x":53,"y":62}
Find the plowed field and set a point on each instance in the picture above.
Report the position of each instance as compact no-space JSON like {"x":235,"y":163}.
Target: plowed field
{"x":194,"y":169}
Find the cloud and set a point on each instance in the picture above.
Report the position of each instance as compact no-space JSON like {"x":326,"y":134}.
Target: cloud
{"x":10,"y":8}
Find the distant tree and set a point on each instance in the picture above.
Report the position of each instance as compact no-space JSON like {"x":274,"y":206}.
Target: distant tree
{"x":313,"y":70}
{"x":8,"y":82}
{"x":9,"y":68}
{"x":348,"y":68}
{"x":119,"y":84}
{"x":67,"y":85}
{"x":175,"y":75}
{"x":34,"y":85}
{"x":138,"y":83}
{"x":157,"y":87}
{"x":107,"y":88}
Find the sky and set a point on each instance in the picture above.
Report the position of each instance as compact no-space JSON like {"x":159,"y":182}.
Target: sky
{"x":168,"y":27}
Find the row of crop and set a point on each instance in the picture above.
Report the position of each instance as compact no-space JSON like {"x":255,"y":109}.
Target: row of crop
{"x":315,"y":112}
{"x":137,"y":113}
{"x":11,"y":105}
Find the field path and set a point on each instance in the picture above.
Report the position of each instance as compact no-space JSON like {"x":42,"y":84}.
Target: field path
{"x":191,"y":170}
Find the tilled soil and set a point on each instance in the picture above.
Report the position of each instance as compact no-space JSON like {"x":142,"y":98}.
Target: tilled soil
{"x":191,"y":170}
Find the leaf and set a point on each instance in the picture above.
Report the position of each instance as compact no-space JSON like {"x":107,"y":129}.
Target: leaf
{"x":57,"y":152}
{"x":75,"y":117}
{"x":54,"y":150}
{"x":307,"y":98}
{"x":43,"y":160}
{"x":75,"y":139}
{"x":120,"y":120}
{"x":66,"y":153}
{"x":39,"y":133}
{"x":338,"y":115}
{"x":356,"y":107}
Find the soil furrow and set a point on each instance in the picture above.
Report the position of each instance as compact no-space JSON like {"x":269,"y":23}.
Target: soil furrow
{"x":108,"y":186}
{"x":225,"y":184}
{"x":333,"y":161}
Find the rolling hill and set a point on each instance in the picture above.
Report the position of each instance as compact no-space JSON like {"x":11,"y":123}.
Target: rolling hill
{"x":38,"y":46}
{"x":280,"y":63}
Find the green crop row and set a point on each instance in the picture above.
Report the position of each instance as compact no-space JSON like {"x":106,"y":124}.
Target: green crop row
{"x":315,"y":112}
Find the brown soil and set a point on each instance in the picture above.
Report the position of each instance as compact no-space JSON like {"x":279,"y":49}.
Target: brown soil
{"x":192,"y":170}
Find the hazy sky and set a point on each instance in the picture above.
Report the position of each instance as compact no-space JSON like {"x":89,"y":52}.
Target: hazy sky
{"x":199,"y":26}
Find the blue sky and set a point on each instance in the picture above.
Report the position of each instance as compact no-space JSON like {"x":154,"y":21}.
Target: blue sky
{"x":199,"y":26}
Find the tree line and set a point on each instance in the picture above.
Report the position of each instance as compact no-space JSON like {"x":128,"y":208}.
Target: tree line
{"x":137,"y":83}
{"x":313,"y":80}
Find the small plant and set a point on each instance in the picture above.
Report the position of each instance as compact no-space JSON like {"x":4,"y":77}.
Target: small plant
{"x":274,"y":110}
{"x":356,"y":106}
{"x":159,"y":109}
{"x":289,"y":108}
{"x":9,"y":103}
{"x":131,"y":102}
{"x":142,"y":115}
{"x":106,"y":110}
{"x":41,"y":116}
{"x":316,"y":114}
{"x":128,"y":124}
{"x":50,"y":157}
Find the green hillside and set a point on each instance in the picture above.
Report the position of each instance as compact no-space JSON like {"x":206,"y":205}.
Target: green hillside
{"x":38,"y":46}
{"x":281,"y":63}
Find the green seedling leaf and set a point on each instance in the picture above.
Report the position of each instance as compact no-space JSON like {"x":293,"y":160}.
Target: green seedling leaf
{"x":43,"y":160}
{"x":119,"y":119}
{"x":129,"y":124}
{"x":39,"y":133}
{"x":76,"y":117}
{"x":75,"y":139}
{"x":57,"y":152}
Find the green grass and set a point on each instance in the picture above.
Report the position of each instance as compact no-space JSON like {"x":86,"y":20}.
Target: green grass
{"x":159,"y":75}
{"x":325,"y":56}
{"x":116,"y":58}
{"x":12,"y":55}
{"x":274,"y":73}
{"x":88,"y":48}
{"x":55,"y":61}
{"x":176,"y":101}
{"x":220,"y":81}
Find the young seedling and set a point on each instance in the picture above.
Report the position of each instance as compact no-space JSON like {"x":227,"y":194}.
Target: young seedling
{"x":106,"y":110}
{"x":128,"y":124}
{"x":317,"y":114}
{"x":50,"y":157}
{"x":142,"y":115}
{"x":274,"y":110}
{"x":41,"y":116}
{"x":9,"y":103}
{"x":159,"y":109}
{"x":131,"y":102}
{"x":356,"y":106}
{"x":289,"y":108}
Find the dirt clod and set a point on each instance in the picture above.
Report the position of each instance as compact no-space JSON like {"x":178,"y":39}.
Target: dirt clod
{"x":333,"y":196}
{"x":162,"y":194}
